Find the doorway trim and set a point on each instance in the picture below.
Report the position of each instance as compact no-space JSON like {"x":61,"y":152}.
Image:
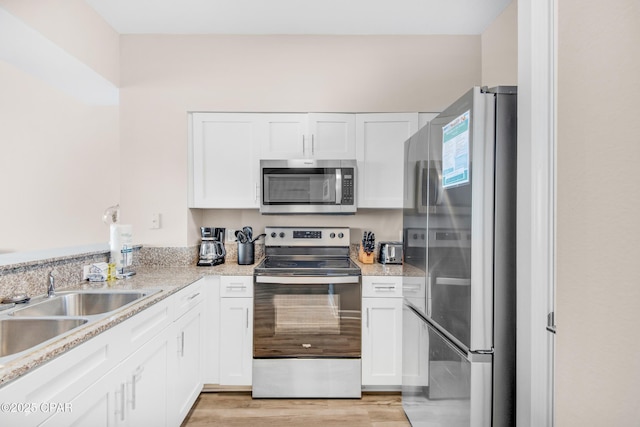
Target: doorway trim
{"x":536,"y":210}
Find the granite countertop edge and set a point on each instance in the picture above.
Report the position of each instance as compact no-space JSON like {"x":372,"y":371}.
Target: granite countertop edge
{"x":168,"y":279}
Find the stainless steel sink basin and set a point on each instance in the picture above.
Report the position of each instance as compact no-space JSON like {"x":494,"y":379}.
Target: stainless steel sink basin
{"x":17,"y":335}
{"x":80,"y":304}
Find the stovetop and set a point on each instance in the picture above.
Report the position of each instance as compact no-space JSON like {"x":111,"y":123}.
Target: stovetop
{"x":313,"y":267}
{"x":317,"y":251}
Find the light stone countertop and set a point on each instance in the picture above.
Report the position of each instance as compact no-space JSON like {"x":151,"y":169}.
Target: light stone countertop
{"x":168,"y":279}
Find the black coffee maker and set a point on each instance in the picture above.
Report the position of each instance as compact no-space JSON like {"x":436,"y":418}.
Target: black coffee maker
{"x":212,"y":250}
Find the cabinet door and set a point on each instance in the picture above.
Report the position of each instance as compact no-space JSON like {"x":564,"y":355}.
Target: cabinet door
{"x":145,"y":379}
{"x":100,"y":405}
{"x":132,"y":394}
{"x":186,"y":370}
{"x":236,"y":341}
{"x":224,"y":160}
{"x":332,"y":136}
{"x":211,"y":330}
{"x":284,"y":137}
{"x":382,"y":341}
{"x":380,"y":152}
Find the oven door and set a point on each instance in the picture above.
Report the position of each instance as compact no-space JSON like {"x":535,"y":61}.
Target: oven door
{"x":307,"y":317}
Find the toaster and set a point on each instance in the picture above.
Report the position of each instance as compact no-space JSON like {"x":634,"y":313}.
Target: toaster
{"x":390,"y":253}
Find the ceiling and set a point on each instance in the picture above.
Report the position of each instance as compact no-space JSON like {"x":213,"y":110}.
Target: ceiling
{"x":359,"y":17}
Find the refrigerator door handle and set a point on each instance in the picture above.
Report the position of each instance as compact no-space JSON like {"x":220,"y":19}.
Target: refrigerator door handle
{"x":429,"y":290}
{"x":450,"y":281}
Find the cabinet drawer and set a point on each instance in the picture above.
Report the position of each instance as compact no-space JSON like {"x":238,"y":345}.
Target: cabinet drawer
{"x":188,"y":297}
{"x":145,"y":325}
{"x":382,"y":286}
{"x":236,"y":286}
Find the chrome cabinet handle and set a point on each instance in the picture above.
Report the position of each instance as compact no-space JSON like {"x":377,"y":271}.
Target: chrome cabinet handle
{"x":247,"y":315}
{"x":122,"y":402}
{"x":193,"y":296}
{"x":384,"y":288}
{"x":313,"y":148}
{"x":367,"y":318}
{"x":303,"y":150}
{"x":180,"y":344}
{"x":137,"y":375}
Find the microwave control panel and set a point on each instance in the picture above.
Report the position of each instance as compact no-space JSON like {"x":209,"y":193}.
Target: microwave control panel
{"x":347,"y":186}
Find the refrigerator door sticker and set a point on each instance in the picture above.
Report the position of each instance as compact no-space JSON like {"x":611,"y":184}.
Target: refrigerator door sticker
{"x":455,"y":151}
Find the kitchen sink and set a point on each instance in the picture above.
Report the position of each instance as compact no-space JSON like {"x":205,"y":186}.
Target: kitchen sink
{"x":17,"y":335}
{"x":80,"y":304}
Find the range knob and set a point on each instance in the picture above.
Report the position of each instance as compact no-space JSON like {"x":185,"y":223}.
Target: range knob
{"x":273,"y":234}
{"x":340,"y":235}
{"x":332,"y":235}
{"x":282,"y":234}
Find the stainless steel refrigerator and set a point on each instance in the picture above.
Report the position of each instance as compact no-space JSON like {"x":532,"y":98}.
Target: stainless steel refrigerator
{"x":459,"y":274}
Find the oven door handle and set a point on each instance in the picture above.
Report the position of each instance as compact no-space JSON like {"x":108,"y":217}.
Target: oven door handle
{"x":304,"y":280}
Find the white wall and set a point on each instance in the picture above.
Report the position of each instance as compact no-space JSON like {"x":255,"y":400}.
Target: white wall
{"x":164,"y":77}
{"x":500,"y":49}
{"x":137,"y":151}
{"x":59,"y":158}
{"x":598,"y":280}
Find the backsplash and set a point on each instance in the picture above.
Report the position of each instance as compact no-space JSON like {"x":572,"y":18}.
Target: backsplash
{"x":32,"y":278}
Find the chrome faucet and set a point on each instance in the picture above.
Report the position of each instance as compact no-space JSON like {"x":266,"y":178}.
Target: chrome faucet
{"x":51,"y":290}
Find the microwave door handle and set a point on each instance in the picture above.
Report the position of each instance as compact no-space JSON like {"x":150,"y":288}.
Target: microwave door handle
{"x":338,"y":186}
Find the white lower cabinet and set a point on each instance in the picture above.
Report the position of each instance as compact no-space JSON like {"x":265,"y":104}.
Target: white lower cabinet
{"x":382,"y":331}
{"x":185,"y":360}
{"x":144,"y":383}
{"x":145,"y":371}
{"x":131,"y":394}
{"x":93,"y":407}
{"x":236,"y":330}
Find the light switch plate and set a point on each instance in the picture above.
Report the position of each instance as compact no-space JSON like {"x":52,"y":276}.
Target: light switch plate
{"x":155,"y":221}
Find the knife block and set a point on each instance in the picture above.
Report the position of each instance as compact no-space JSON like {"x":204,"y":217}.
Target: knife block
{"x":364,"y":257}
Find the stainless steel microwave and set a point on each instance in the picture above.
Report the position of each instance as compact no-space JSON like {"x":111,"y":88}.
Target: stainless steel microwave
{"x":308,"y":186}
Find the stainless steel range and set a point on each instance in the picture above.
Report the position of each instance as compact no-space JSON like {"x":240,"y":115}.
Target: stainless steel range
{"x":307,"y":315}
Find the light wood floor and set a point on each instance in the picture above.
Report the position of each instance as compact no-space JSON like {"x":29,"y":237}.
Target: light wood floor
{"x":239,"y":409}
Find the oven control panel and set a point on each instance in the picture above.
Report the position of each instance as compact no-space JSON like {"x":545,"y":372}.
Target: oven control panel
{"x":307,"y":236}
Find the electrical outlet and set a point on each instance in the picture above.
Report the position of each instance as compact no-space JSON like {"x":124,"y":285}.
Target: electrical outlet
{"x":231,"y":235}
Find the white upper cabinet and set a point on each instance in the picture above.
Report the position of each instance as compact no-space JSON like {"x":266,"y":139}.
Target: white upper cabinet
{"x":224,"y":160}
{"x":284,"y":136}
{"x":225,"y":151}
{"x":314,"y":135}
{"x":333,"y":136}
{"x":380,"y":141}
